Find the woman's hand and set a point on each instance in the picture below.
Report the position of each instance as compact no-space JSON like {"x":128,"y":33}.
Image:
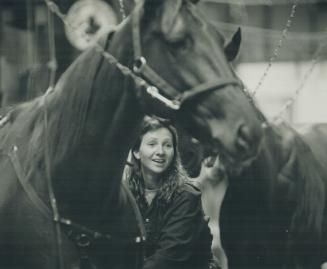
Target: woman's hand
{"x":324,"y":265}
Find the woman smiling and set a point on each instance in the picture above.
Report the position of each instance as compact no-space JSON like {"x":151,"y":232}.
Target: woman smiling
{"x":177,"y":233}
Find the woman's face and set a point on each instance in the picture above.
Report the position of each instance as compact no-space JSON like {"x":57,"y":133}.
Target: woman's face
{"x":156,"y":151}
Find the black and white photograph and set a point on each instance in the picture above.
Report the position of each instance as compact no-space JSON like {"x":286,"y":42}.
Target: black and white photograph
{"x":163,"y":134}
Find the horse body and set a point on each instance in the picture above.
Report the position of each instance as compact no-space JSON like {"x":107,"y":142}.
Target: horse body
{"x":83,"y":162}
{"x":274,"y":212}
{"x":78,"y":135}
{"x":90,"y":131}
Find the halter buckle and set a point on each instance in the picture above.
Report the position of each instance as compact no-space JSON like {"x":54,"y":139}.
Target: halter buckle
{"x":139,"y":64}
{"x":154,"y":93}
{"x":82,"y":240}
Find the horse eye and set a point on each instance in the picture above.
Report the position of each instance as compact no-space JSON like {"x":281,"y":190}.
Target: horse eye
{"x":181,"y":45}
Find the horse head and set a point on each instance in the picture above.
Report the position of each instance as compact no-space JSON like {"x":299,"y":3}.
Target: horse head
{"x":187,"y":60}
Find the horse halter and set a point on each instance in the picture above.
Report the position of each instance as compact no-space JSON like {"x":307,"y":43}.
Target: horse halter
{"x":175,"y":98}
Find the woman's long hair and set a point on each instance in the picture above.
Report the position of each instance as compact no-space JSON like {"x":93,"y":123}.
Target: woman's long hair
{"x":172,"y":178}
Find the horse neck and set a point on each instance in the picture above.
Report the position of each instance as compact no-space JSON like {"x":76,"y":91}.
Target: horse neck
{"x":92,"y":121}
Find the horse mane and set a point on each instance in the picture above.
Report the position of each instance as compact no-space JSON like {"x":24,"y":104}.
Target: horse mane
{"x":304,"y":175}
{"x":66,"y":107}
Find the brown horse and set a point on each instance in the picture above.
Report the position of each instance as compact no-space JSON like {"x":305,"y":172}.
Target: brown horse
{"x":76,"y":137}
{"x":274,"y":214}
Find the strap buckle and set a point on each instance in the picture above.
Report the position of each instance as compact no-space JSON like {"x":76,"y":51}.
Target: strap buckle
{"x":139,"y":64}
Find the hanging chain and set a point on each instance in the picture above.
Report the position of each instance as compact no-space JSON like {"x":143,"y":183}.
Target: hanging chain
{"x":290,"y":102}
{"x":276,"y":50}
{"x":122,"y":9}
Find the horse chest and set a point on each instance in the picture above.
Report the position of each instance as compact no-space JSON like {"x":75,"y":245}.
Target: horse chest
{"x":253,"y":229}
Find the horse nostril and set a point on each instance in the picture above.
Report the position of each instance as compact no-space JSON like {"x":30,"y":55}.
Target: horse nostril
{"x":244,"y":139}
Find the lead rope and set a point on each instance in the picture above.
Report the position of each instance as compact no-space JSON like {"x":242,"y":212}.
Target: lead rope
{"x":52,"y":64}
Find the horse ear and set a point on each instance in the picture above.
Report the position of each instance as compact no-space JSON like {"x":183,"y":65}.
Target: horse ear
{"x":169,"y":21}
{"x":168,"y":10}
{"x":232,"y":47}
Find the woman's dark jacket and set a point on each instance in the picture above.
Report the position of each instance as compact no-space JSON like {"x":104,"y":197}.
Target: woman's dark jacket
{"x":178,"y":235}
